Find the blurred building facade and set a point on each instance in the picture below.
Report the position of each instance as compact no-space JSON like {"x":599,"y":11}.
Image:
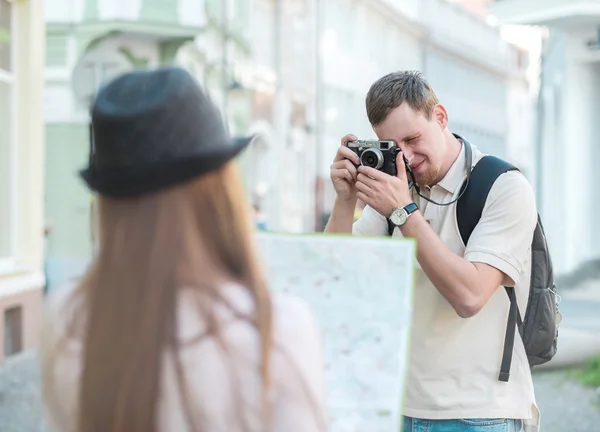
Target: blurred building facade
{"x":567,"y":132}
{"x":477,"y":75}
{"x":89,"y":42}
{"x":294,"y":73}
{"x":22,"y":38}
{"x":256,"y":60}
{"x":280,"y":166}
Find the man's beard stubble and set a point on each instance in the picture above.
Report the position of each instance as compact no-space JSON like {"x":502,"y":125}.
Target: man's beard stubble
{"x":427,"y":178}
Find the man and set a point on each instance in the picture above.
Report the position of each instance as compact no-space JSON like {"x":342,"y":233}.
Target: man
{"x":460,"y":307}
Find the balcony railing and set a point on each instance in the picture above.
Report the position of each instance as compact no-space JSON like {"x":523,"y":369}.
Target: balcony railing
{"x":157,"y":12}
{"x":453,"y":23}
{"x":545,"y":12}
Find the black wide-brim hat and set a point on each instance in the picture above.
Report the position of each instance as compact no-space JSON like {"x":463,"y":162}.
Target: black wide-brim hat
{"x":155,"y":129}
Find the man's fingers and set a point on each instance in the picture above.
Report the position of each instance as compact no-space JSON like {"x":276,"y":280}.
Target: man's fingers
{"x":361,"y":196}
{"x":346,"y":138}
{"x":348,"y":176}
{"x":372,"y":172}
{"x":400,"y":167}
{"x":362,"y":178}
{"x":345,"y":164}
{"x":344,"y":152}
{"x":342,"y":174}
{"x":364,"y":188}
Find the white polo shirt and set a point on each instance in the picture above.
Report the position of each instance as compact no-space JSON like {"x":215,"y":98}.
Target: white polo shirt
{"x":455,"y":362}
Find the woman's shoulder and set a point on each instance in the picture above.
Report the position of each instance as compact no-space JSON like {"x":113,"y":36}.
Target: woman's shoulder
{"x":293,"y":313}
{"x":58,"y":301}
{"x":291,"y":303}
{"x":288,"y":310}
{"x":61,"y":307}
{"x":294,"y":325}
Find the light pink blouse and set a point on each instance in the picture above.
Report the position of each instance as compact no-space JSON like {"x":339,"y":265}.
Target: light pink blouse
{"x":297,"y":391}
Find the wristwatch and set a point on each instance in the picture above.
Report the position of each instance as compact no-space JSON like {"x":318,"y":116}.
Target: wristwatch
{"x":401,"y":214}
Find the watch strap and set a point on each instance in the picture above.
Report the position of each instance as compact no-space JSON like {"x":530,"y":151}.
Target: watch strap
{"x":411,"y":208}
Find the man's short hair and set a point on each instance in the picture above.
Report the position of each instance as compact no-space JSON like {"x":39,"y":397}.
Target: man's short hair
{"x":394,"y":89}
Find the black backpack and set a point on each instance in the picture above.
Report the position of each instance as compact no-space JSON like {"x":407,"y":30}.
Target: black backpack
{"x":539,"y":328}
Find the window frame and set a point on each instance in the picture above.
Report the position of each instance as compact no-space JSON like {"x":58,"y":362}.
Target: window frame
{"x":8,"y":262}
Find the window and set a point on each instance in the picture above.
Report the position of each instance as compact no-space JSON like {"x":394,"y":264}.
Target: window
{"x":7,"y":151}
{"x":13,"y":331}
{"x":96,"y":68}
{"x":56,"y":50}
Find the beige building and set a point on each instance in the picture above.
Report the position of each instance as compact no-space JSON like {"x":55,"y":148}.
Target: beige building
{"x":22,"y":48}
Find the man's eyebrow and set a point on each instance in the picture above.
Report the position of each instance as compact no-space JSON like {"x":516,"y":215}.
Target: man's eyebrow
{"x":411,"y":137}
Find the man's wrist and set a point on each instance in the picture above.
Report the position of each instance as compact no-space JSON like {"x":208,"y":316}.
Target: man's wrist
{"x":413,"y":224}
{"x":346,"y":204}
{"x":399,"y":215}
{"x":401,"y":205}
{"x":342,"y":217}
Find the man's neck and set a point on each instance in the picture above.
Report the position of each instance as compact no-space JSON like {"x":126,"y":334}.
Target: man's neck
{"x":454,"y":145}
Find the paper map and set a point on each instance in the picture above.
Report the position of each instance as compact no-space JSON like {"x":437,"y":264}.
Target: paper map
{"x":360,"y":289}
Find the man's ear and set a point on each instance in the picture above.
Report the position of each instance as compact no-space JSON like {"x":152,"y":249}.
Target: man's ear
{"x":440,"y":115}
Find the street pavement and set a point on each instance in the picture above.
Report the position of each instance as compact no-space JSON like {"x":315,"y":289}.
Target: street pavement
{"x":565,"y":405}
{"x":20,"y":406}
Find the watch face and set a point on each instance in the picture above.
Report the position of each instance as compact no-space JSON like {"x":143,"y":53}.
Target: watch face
{"x":398,"y":217}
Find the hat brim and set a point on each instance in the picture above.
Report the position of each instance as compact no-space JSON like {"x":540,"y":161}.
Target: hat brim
{"x":134,"y":182}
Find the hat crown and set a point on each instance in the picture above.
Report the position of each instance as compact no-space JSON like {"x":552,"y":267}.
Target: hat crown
{"x":147,"y":117}
{"x":155,"y":129}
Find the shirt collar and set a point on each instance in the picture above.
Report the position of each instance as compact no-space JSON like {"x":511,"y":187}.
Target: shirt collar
{"x":456,"y":174}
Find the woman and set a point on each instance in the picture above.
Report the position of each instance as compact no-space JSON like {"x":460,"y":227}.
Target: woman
{"x":172,"y":328}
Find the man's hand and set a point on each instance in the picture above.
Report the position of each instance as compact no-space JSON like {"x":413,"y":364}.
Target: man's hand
{"x":343,"y":171}
{"x":382,"y":192}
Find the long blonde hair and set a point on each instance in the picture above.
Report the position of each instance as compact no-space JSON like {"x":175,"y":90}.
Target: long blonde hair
{"x":195,"y":235}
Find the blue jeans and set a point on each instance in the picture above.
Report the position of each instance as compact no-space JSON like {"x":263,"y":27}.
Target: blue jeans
{"x":462,"y":425}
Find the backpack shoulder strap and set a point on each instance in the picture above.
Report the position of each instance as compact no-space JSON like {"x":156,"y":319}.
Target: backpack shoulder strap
{"x":469,"y":209}
{"x":470,"y":205}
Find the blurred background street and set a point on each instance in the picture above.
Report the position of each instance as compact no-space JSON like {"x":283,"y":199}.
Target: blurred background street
{"x":520,"y":79}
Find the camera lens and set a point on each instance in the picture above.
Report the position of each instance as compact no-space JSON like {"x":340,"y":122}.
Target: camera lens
{"x":372,"y":158}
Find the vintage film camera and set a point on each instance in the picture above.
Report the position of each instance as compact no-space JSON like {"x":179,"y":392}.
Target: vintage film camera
{"x":380,"y":155}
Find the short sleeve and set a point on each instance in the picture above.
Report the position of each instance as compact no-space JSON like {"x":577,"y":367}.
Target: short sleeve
{"x":370,"y":223}
{"x":502,"y":238}
{"x":298,"y":369}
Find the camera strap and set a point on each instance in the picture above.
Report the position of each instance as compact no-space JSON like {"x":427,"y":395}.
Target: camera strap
{"x":468,"y":169}
{"x":463,"y":188}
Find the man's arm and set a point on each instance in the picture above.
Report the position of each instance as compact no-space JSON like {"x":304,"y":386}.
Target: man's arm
{"x":497,"y":249}
{"x":342,"y":216}
{"x":370,"y":223}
